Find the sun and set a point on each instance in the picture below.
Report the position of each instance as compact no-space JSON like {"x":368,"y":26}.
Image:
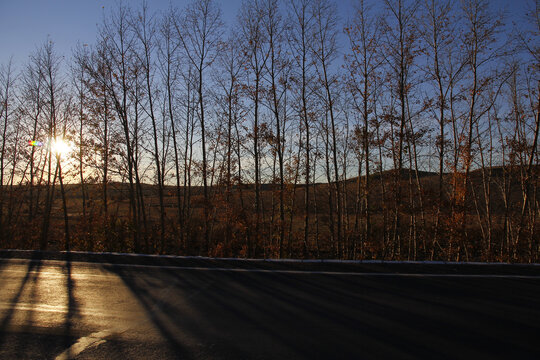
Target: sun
{"x":60,"y":147}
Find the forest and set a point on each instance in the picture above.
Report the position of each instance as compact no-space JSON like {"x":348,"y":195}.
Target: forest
{"x":408,"y":131}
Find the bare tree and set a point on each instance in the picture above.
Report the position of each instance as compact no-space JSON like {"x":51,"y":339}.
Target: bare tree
{"x":400,"y":38}
{"x":481,"y":29}
{"x":169,"y":68}
{"x":47,"y":64}
{"x":7,"y":79}
{"x":325,"y":51}
{"x":529,"y":45}
{"x":277,"y":68}
{"x":230,"y":65}
{"x":257,"y":52}
{"x":363,"y":63}
{"x":99,"y":114}
{"x":79,"y":80}
{"x":144,"y":26}
{"x":300,"y":39}
{"x":200,"y":35}
{"x":31,"y":108}
{"x":438,"y":28}
{"x":118,"y":45}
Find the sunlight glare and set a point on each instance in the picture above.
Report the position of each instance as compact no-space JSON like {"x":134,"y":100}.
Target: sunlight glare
{"x":60,"y":147}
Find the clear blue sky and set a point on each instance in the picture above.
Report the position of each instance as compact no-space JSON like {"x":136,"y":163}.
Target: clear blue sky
{"x":25,"y":24}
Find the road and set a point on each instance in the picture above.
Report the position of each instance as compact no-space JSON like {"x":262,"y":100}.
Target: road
{"x":61,"y":309}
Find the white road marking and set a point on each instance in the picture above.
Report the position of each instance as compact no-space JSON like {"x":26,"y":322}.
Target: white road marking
{"x":84,"y":343}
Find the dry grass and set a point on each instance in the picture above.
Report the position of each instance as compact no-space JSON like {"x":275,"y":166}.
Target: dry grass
{"x":232,"y":226}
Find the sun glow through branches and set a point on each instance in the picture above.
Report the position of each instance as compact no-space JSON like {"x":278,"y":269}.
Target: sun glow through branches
{"x":60,"y":147}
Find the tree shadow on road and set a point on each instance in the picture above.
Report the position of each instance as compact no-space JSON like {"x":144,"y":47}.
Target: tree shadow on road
{"x":301,"y":314}
{"x":32,"y":275}
{"x":244,"y":314}
{"x":30,"y":280}
{"x":72,"y":305}
{"x":30,"y":335}
{"x":459,"y":315}
{"x":142,"y":287}
{"x":264,"y":315}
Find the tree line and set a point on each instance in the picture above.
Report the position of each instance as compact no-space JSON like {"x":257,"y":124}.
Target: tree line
{"x":408,"y":131}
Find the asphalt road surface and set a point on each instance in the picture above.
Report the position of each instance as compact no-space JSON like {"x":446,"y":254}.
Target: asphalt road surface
{"x":62,"y":309}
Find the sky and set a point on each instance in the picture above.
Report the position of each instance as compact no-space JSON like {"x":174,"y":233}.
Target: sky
{"x":25,"y":24}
